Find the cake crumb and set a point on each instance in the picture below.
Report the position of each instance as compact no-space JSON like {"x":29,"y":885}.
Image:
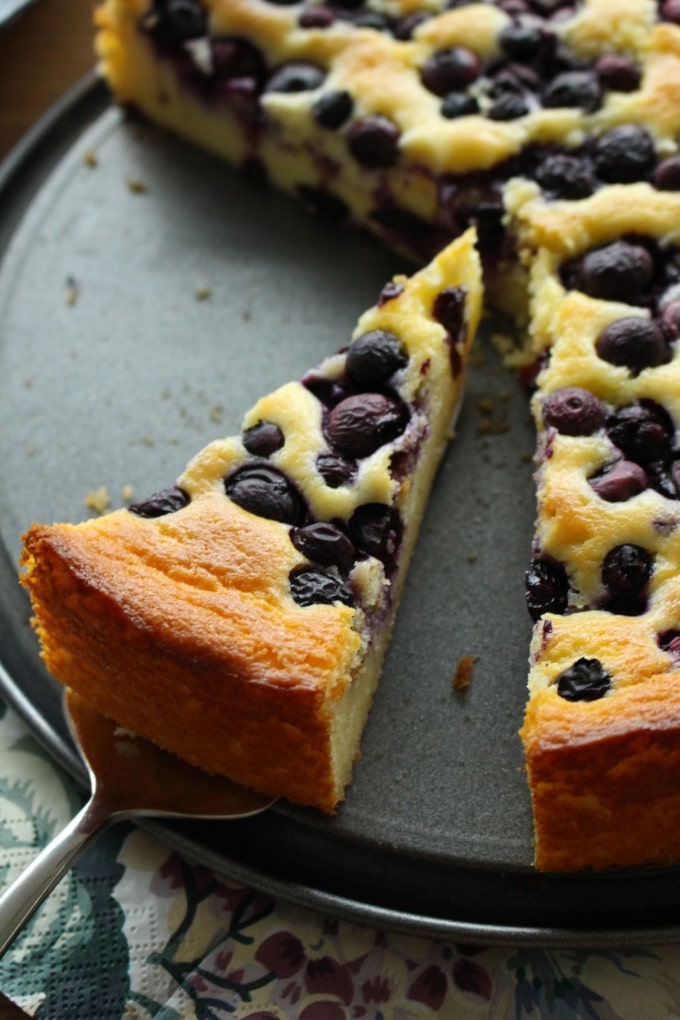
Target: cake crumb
{"x":136,"y":186}
{"x":90,"y":158}
{"x":493,"y":418}
{"x":463,"y":675}
{"x":202,"y":293}
{"x":127,"y":493}
{"x":72,"y":290}
{"x":98,"y":500}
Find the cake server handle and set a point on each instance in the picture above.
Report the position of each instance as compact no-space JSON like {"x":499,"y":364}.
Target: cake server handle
{"x":22,"y":898}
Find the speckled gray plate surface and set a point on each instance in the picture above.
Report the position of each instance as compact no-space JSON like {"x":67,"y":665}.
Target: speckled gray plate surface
{"x":148,"y":296}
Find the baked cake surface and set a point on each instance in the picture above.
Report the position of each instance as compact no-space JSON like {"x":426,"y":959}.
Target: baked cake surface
{"x":601,"y":731}
{"x":240,"y":618}
{"x":406,"y":117}
{"x":552,"y":129}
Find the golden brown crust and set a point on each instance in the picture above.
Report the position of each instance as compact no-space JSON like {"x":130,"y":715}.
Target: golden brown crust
{"x":604,"y":777}
{"x":185,"y":623}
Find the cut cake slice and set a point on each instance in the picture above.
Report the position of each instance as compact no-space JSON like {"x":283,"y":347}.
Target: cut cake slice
{"x":602,"y":726}
{"x":406,"y":118}
{"x":240,"y":619}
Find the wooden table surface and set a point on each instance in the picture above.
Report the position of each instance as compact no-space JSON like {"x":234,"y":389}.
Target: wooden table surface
{"x":43,"y":51}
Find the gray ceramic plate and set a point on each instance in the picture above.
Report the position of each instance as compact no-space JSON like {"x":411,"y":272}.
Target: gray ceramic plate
{"x":115,"y":367}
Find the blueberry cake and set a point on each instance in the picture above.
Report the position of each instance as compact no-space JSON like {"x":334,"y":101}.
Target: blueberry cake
{"x":240,"y":618}
{"x":551,"y":128}
{"x":408,"y":117}
{"x":601,"y":732}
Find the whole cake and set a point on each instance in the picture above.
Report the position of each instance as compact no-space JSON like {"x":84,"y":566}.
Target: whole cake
{"x":550,"y":128}
{"x":240,"y":618}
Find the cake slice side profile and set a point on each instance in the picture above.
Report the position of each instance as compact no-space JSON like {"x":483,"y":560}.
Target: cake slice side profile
{"x":240,"y":618}
{"x":404,"y":118}
{"x":602,"y":726}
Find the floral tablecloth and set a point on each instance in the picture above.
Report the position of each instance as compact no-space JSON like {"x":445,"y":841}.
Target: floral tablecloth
{"x":136,"y":932}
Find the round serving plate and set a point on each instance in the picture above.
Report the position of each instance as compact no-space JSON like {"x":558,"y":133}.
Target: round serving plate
{"x":148,"y":296}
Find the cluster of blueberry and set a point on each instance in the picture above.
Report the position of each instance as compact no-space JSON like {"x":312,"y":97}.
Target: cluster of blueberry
{"x":361,"y":412}
{"x":642,"y":434}
{"x":533,"y":69}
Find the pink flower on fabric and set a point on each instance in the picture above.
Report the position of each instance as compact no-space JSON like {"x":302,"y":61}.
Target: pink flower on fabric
{"x":376,"y":989}
{"x":471,"y":978}
{"x":282,"y":953}
{"x":323,"y":1011}
{"x":430,"y":987}
{"x":325,"y":975}
{"x":169,"y":876}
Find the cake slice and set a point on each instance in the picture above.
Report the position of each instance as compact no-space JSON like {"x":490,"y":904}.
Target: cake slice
{"x":602,"y":726}
{"x":240,"y":618}
{"x":406,"y":118}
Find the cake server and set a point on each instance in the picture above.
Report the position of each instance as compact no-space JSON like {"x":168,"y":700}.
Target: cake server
{"x":129,"y":777}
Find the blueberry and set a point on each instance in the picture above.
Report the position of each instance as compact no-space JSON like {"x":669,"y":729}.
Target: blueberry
{"x":333,"y":108}
{"x":633,"y":343}
{"x":310,"y":586}
{"x":566,"y":176}
{"x":573,"y":411}
{"x":317,"y":16}
{"x":335,"y":470}
{"x":237,"y":58}
{"x":574,"y":88}
{"x":626,"y":571}
{"x":670,"y":319}
{"x":521,"y":41}
{"x":618,"y":73}
{"x":390,"y":291}
{"x":404,"y":27}
{"x":669,"y":641}
{"x":450,"y":70}
{"x":585,"y":680}
{"x":373,"y":140}
{"x":508,"y":106}
{"x":513,"y":7}
{"x":644,"y":432}
{"x":363,"y":422}
{"x":449,"y":311}
{"x":325,"y":544}
{"x":515,"y":78}
{"x":458,"y":104}
{"x":619,"y":271}
{"x":547,"y":588}
{"x":669,"y":10}
{"x":624,"y":154}
{"x":263,"y":490}
{"x":374,"y":356}
{"x":376,"y":529}
{"x":296,"y":76}
{"x":666,"y":175}
{"x":173,"y":22}
{"x":160,"y":503}
{"x":263,"y":439}
{"x":620,"y":482}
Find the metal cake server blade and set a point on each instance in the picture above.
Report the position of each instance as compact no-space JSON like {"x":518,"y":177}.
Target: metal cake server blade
{"x":129,"y":777}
